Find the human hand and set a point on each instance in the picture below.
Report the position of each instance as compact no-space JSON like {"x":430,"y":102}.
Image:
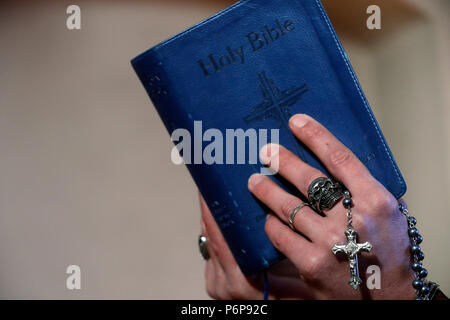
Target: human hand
{"x":225,"y":280}
{"x":376,"y":218}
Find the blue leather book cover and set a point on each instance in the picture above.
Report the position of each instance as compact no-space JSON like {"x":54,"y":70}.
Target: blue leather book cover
{"x":253,"y":66}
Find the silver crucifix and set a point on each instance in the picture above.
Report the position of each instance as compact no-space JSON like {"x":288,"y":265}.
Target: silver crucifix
{"x":351,"y":249}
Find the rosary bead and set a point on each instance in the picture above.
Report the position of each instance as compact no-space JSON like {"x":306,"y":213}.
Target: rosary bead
{"x":417,"y":284}
{"x":413,"y":232}
{"x":420,"y":256}
{"x":415,"y":249}
{"x":416,"y":266}
{"x":420,"y":283}
{"x":419,"y":239}
{"x":423,"y":273}
{"x":412,"y":220}
{"x":425,"y":290}
{"x":348,"y":202}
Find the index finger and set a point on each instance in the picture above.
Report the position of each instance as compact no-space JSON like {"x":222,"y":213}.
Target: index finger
{"x":337,"y":158}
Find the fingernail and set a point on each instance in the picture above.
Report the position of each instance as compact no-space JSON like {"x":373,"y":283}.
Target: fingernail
{"x":299,"y":120}
{"x":254,"y":180}
{"x":269,"y":152}
{"x":268,"y":216}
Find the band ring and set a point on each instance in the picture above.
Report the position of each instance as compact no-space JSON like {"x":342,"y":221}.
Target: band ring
{"x":294,"y":213}
{"x":324,"y":193}
{"x":203,"y":246}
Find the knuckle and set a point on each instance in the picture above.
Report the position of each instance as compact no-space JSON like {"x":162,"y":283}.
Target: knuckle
{"x":279,"y":240}
{"x":282,"y":241}
{"x":336,"y":236}
{"x":312,"y":131}
{"x":360,"y":222}
{"x":340,"y":157}
{"x":364,"y":223}
{"x":314,"y":268}
{"x":286,"y":158}
{"x":382,"y":203}
{"x":268,"y":227}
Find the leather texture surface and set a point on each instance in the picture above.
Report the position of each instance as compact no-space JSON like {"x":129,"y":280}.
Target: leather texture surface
{"x":254,"y":65}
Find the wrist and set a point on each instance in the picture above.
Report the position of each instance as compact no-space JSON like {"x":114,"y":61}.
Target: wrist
{"x":399,"y":289}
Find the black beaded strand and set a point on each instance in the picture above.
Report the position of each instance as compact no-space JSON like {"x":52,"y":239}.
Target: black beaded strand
{"x":425,"y":290}
{"x":347,"y":202}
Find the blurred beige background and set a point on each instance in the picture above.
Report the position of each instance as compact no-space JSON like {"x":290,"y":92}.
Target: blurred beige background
{"x":85,"y":170}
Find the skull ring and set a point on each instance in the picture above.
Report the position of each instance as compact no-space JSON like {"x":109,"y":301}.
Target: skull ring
{"x":324,"y":193}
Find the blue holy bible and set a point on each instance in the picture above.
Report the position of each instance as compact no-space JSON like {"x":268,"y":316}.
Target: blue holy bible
{"x":251,"y":67}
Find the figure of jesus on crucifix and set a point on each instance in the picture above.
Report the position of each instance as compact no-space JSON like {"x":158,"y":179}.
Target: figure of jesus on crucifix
{"x":351,"y":249}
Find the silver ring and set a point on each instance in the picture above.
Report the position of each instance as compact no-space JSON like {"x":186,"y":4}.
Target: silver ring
{"x":203,"y":246}
{"x":294,"y":213}
{"x":324,"y":193}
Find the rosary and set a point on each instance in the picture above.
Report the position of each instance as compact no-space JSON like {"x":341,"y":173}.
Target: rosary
{"x":425,"y":290}
{"x":352,"y":248}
